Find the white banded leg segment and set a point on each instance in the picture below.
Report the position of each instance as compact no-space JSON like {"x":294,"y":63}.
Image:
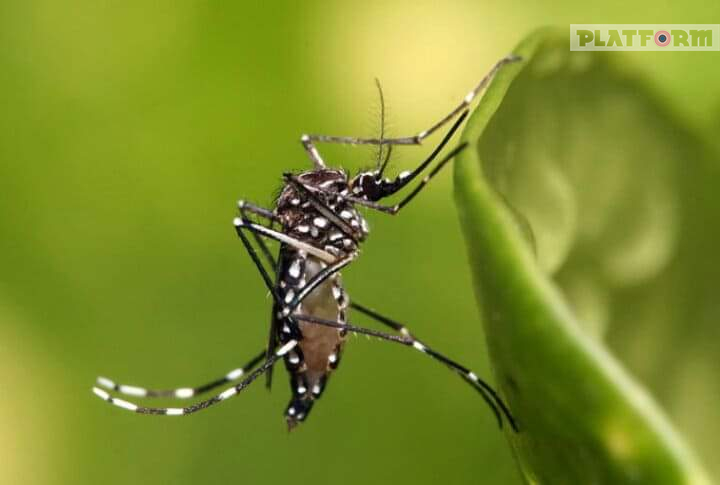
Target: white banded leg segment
{"x":483,"y":388}
{"x":125,"y":389}
{"x":486,"y":391}
{"x":228,"y":393}
{"x":101,"y":394}
{"x":121,"y":403}
{"x":106,"y":383}
{"x":132,"y":391}
{"x":235,"y":374}
{"x":182,"y":392}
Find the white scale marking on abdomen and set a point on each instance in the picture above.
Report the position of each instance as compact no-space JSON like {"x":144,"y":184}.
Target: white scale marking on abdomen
{"x":319,"y":343}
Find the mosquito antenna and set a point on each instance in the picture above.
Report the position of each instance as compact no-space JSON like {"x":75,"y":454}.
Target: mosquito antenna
{"x":381,"y":164}
{"x":385,"y":162}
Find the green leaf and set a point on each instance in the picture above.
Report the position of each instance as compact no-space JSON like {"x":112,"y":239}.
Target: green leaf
{"x":566,"y":198}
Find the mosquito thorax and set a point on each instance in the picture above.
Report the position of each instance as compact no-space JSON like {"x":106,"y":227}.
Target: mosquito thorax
{"x":319,"y":213}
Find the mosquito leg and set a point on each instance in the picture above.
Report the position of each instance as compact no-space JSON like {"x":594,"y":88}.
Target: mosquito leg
{"x":403,"y":330}
{"x":181,"y":392}
{"x":290,"y":327}
{"x":287,"y":307}
{"x":241,"y":223}
{"x":406,"y":177}
{"x":315,"y":281}
{"x":188,"y":392}
{"x":290,"y":324}
{"x":228,"y":393}
{"x":309,"y":140}
{"x":394,"y":209}
{"x":312,"y":151}
{"x":246,"y":207}
{"x":486,"y":391}
{"x":390,"y":187}
{"x":337,"y":265}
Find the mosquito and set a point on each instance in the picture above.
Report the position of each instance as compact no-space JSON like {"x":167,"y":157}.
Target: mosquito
{"x":319,"y":229}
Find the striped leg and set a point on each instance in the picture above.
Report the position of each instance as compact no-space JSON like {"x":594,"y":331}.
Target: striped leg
{"x":486,"y":391}
{"x":181,"y":392}
{"x":227,"y":394}
{"x":245,"y":208}
{"x":407,"y":338}
{"x":488,"y":394}
{"x":241,"y":224}
{"x":336,"y":264}
{"x":392,"y":187}
{"x":394,"y":209}
{"x":398,"y":327}
{"x":291,"y":327}
{"x":188,"y":392}
{"x":309,"y":141}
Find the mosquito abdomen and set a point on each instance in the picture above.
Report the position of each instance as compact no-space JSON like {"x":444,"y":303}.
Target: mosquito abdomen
{"x":319,"y":348}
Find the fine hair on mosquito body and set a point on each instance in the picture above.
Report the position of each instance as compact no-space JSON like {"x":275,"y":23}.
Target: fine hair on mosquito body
{"x":319,"y":229}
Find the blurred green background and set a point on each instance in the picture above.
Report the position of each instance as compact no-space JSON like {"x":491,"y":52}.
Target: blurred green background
{"x":127,"y":133}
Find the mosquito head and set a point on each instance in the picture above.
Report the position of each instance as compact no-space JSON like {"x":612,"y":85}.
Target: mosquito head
{"x":370,"y":185}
